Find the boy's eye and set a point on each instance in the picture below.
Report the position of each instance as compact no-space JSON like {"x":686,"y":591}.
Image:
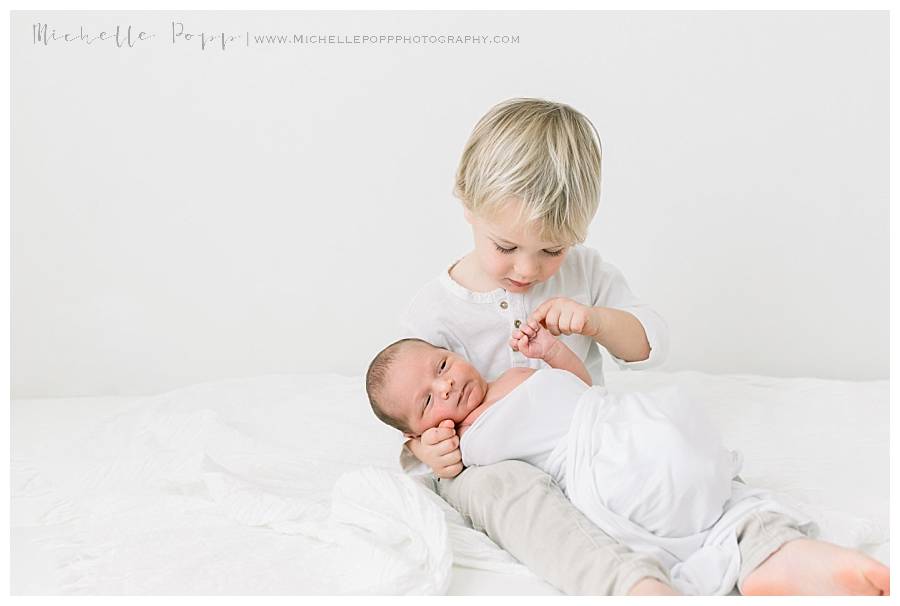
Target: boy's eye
{"x":505,"y":251}
{"x":554,"y":253}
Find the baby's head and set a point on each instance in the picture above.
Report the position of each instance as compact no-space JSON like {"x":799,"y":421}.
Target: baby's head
{"x":543,"y":155}
{"x":413,"y":386}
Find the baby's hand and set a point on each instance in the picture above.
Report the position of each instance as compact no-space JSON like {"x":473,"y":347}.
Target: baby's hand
{"x":533,"y":340}
{"x":439,"y":449}
{"x":564,"y":316}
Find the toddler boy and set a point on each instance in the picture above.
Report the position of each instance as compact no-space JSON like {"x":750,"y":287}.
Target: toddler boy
{"x":529,"y":183}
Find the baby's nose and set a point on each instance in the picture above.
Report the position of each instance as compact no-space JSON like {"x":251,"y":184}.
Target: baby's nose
{"x":446,"y":386}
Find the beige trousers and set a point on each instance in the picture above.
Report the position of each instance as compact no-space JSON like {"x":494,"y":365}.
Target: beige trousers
{"x":522,"y":510}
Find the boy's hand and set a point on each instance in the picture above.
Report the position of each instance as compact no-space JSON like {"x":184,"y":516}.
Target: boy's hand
{"x":533,"y":341}
{"x":564,"y":316}
{"x":439,"y":449}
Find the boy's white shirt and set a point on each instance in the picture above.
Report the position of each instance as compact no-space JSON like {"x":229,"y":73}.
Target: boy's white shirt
{"x":478,"y":325}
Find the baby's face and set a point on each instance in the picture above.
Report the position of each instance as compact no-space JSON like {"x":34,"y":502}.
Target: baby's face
{"x":428,"y":385}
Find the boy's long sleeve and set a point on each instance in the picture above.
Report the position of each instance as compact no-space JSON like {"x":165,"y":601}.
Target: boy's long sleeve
{"x":609,"y":288}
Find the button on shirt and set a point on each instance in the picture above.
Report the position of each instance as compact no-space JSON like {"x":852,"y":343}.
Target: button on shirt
{"x":478,"y":325}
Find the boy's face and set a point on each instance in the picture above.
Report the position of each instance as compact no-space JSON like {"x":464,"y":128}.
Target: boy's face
{"x":511,"y":254}
{"x":427,"y":385}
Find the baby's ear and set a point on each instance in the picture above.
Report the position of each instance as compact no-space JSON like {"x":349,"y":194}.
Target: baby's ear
{"x":408,"y":435}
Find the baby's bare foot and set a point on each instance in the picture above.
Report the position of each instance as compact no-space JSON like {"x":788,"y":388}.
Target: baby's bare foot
{"x":808,"y":567}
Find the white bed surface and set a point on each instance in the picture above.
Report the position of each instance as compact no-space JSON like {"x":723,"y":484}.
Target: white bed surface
{"x":226,"y":487}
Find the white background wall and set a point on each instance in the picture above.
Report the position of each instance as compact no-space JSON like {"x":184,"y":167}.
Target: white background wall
{"x":181,"y":215}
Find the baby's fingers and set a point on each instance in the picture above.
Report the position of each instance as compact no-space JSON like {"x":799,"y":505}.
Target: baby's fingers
{"x":436,"y":435}
{"x":451,"y":457}
{"x":447,"y":448}
{"x":450,"y":472}
{"x":522,"y":344}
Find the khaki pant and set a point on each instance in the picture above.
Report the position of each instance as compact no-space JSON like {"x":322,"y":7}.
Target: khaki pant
{"x":522,"y":510}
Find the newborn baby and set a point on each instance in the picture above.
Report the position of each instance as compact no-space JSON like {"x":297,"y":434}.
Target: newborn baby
{"x":653,"y":440}
{"x":646,"y":468}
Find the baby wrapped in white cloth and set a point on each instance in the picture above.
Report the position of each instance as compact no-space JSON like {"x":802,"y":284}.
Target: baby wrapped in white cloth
{"x":647,"y":468}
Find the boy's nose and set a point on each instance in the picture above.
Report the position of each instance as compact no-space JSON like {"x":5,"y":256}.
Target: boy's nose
{"x":526,"y":269}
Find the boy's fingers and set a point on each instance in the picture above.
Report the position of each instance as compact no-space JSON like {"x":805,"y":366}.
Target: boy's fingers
{"x":578,"y":324}
{"x":551,"y":321}
{"x":541,"y":312}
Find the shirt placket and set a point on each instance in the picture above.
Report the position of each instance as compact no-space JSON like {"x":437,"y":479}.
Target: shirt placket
{"x":512,"y":307}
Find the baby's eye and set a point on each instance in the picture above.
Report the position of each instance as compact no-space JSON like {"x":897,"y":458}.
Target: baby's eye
{"x":443,"y":364}
{"x":505,"y":251}
{"x":427,"y":400}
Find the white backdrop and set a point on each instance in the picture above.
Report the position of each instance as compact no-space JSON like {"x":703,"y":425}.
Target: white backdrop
{"x":182,"y":214}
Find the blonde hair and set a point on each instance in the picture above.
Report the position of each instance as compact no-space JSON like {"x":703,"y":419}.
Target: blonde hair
{"x":545,"y":154}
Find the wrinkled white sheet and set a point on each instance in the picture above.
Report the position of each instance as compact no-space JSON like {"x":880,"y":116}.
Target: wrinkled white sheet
{"x":229,"y":488}
{"x":289,"y":485}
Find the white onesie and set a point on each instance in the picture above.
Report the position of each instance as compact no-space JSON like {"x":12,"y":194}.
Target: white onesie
{"x":646,"y":468}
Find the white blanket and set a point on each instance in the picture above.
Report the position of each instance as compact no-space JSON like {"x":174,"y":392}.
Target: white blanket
{"x":221,"y":488}
{"x":288,"y":485}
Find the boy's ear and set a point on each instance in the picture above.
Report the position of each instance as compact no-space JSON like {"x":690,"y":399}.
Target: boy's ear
{"x":470,"y":218}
